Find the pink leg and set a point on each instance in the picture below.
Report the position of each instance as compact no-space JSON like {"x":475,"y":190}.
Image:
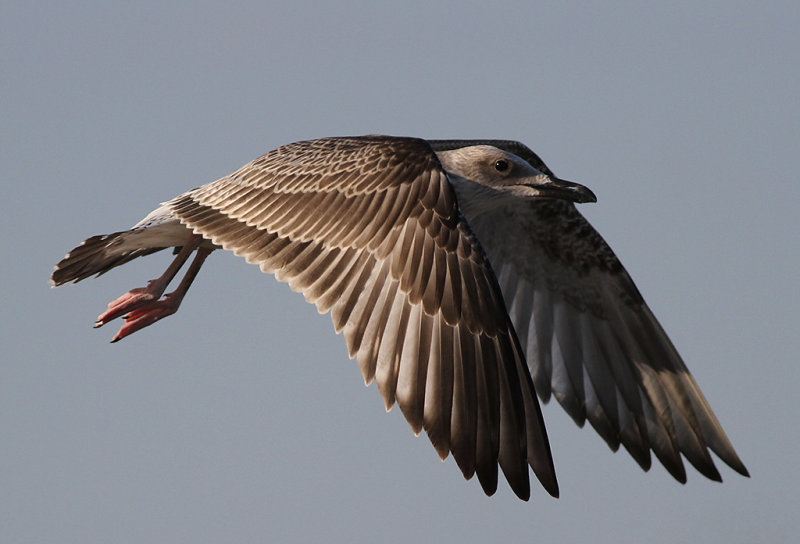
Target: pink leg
{"x":149,"y":313}
{"x":140,"y":296}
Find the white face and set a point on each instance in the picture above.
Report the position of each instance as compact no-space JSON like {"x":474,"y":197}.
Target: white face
{"x":485,"y":177}
{"x":490,"y":166}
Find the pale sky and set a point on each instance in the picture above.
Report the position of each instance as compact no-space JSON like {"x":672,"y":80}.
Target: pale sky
{"x":241,"y":419}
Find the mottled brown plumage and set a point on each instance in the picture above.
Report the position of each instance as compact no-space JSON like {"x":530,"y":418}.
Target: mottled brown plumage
{"x":433,"y":258}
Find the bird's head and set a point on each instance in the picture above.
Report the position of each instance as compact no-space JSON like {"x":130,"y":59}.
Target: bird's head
{"x":502,"y":175}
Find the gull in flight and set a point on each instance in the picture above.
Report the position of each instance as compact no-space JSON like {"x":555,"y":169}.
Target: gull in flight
{"x":465,"y":282}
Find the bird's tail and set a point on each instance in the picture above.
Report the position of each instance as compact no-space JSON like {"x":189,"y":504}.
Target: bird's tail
{"x":96,"y":256}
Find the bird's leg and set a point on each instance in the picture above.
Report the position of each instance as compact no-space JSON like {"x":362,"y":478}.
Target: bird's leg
{"x":140,"y":296}
{"x":151,"y":312}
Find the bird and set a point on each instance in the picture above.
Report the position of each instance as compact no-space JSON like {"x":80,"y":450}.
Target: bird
{"x":466,"y":284}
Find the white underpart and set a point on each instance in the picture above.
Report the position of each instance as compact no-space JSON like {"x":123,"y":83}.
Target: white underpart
{"x":160,"y":228}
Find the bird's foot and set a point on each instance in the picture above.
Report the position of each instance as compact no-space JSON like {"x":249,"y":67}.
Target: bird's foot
{"x":141,"y":307}
{"x":133,"y":299}
{"x":147,"y":314}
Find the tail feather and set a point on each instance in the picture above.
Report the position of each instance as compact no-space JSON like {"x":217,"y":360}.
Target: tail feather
{"x":94,"y":257}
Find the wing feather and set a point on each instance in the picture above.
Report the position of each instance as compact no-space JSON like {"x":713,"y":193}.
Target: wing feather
{"x":439,"y":387}
{"x":590,"y":337}
{"x":368,"y":228}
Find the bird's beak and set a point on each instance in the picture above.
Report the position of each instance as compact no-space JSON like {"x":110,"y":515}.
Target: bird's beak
{"x":566,"y":190}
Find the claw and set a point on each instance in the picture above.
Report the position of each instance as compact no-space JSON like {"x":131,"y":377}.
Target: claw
{"x":146,"y":315}
{"x":130,"y":301}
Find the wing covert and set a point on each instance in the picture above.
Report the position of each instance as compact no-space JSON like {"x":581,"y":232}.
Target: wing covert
{"x":589,"y":336}
{"x":368,"y":229}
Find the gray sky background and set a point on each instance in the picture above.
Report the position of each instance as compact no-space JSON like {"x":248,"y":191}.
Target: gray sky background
{"x":241,"y":419}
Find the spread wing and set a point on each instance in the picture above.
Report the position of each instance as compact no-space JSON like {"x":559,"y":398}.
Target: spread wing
{"x":368,"y":229}
{"x":589,"y":336}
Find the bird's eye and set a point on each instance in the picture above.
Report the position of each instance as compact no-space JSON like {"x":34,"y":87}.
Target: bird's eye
{"x":501,"y":165}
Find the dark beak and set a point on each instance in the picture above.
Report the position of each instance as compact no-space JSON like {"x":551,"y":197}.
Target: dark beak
{"x":567,"y":190}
